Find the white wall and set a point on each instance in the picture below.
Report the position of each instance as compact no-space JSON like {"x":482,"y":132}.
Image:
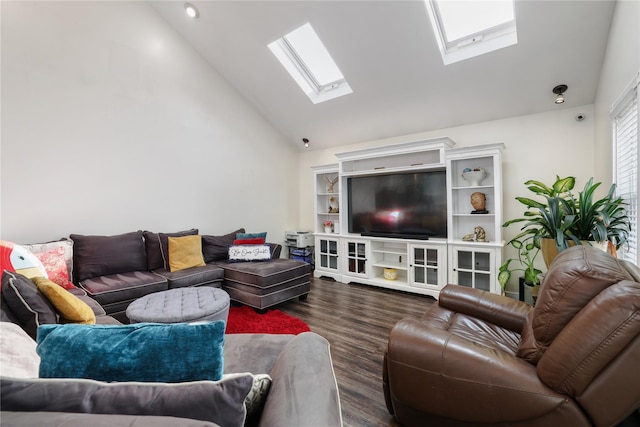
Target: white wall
{"x":538,"y":146}
{"x":621,"y":64}
{"x":111,"y":123}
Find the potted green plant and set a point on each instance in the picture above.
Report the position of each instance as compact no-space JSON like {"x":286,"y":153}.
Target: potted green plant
{"x":602,"y":220}
{"x":528,"y":250}
{"x":561,"y":219}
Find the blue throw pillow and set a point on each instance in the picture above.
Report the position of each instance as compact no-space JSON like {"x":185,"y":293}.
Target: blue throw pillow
{"x":242,"y":236}
{"x":149,"y":352}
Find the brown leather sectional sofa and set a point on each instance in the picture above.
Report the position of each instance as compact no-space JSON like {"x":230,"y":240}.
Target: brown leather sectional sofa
{"x":477,"y":358}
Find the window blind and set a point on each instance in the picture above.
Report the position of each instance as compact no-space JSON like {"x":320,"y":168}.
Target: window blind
{"x":625,"y":134}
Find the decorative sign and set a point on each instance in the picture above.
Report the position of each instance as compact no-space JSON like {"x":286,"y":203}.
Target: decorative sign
{"x":249,"y":253}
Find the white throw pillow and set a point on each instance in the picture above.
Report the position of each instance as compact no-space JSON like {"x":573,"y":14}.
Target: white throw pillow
{"x":18,"y":357}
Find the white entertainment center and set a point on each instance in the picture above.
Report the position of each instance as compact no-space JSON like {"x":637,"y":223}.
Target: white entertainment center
{"x":419,"y":266}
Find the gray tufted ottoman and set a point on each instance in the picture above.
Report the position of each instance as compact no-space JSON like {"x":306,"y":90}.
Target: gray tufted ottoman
{"x":181,"y":305}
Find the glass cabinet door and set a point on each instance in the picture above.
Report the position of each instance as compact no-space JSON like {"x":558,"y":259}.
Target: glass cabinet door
{"x":472,"y":267}
{"x":357,"y":258}
{"x":328,"y":254}
{"x":427,"y":266}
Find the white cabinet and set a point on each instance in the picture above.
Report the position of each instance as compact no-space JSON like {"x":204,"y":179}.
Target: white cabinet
{"x":328,"y":248}
{"x":327,"y":253}
{"x":462,"y":218}
{"x":407,"y":157}
{"x":474,"y":266}
{"x":402,"y":264}
{"x":471,"y":253}
{"x":356,"y":258}
{"x":428,"y":266}
{"x":475,"y":239}
{"x":327,"y":200}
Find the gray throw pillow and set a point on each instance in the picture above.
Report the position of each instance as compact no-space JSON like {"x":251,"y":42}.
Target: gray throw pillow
{"x":216,"y":248}
{"x":95,"y":256}
{"x":221,"y":402}
{"x":28,"y":304}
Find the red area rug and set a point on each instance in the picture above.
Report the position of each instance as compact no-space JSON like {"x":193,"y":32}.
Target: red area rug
{"x":245,"y":320}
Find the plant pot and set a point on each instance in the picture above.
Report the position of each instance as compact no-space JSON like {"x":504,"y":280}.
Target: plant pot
{"x":531,"y":293}
{"x":327,"y":229}
{"x":550,"y":251}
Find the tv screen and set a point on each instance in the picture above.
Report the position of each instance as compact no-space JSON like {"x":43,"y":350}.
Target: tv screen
{"x":405,"y":205}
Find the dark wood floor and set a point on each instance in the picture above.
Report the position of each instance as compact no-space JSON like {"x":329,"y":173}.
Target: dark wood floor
{"x":356,"y":320}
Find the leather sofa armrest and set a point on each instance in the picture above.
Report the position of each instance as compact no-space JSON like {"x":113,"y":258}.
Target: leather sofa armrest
{"x":304,"y":391}
{"x":435,"y":372}
{"x":500,"y":310}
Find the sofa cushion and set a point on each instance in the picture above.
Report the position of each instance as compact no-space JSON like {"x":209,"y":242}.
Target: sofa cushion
{"x":95,"y":256}
{"x":97,"y":309}
{"x":29,"y":305}
{"x":70,"y":308}
{"x":148,"y":352}
{"x":18,"y":357}
{"x":101,"y":315}
{"x":221,"y":402}
{"x":210,"y":275}
{"x":216,"y":248}
{"x":55,"y":264}
{"x":266,"y":274}
{"x":185,"y":252}
{"x":263,"y":284}
{"x":123,"y":287}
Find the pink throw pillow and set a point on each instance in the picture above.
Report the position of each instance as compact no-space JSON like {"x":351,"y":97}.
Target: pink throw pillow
{"x":56,"y":267}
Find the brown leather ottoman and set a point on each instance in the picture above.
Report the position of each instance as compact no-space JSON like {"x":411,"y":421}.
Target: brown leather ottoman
{"x":264,"y":284}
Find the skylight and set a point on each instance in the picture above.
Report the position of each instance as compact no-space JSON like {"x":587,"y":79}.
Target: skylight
{"x":465,"y":29}
{"x":304,"y":56}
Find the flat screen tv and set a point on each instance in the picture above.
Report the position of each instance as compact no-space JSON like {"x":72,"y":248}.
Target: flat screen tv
{"x":405,"y":205}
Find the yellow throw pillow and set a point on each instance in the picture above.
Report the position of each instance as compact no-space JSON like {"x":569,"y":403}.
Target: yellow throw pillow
{"x":185,"y":252}
{"x":70,"y":307}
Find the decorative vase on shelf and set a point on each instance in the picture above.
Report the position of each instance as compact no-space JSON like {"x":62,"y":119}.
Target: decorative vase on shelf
{"x":327,"y":229}
{"x":390,"y":273}
{"x":474,"y":176}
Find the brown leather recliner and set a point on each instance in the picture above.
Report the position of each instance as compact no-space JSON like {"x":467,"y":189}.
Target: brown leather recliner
{"x":477,"y":358}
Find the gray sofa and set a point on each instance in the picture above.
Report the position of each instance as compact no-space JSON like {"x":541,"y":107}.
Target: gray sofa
{"x":303,"y":391}
{"x":116,"y":270}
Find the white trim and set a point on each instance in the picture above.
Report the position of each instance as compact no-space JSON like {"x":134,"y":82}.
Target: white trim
{"x":626,"y":92}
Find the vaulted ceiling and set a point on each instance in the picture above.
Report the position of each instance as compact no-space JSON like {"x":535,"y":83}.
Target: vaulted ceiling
{"x":388,"y":54}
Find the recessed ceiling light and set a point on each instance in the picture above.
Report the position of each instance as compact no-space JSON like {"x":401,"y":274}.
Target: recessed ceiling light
{"x":191,"y":10}
{"x":559,"y":91}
